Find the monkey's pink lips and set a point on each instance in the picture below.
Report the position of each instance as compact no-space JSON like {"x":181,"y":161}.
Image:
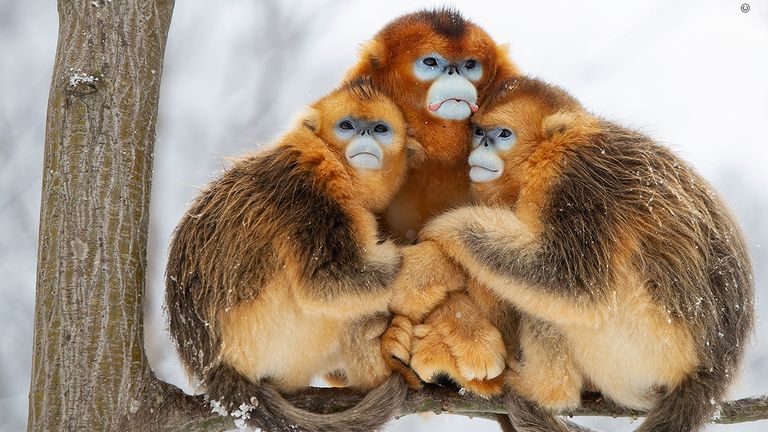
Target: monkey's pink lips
{"x":436,"y":106}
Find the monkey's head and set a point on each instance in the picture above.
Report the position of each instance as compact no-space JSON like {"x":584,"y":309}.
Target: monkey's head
{"x":434,"y":61}
{"x":367,"y":131}
{"x":521,"y":115}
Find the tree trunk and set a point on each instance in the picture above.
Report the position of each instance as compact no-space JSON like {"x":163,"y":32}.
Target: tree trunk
{"x":89,"y":368}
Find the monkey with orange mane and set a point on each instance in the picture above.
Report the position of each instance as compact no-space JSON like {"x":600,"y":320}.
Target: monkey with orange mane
{"x":437,"y":66}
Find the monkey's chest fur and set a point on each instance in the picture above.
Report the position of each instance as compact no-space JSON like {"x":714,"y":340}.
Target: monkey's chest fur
{"x":429,"y":190}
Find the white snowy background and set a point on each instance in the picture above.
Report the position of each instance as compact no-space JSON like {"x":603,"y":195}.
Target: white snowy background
{"x":693,"y":74}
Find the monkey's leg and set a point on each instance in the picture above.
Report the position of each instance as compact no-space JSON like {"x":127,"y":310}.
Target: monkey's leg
{"x":494,"y":246}
{"x":365,"y":367}
{"x":425,"y":279}
{"x":474,"y":343}
{"x":545,"y":374}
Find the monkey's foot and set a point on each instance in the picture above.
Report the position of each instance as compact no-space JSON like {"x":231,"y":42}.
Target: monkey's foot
{"x":475,"y":344}
{"x":481,"y":357}
{"x":431,"y":356}
{"x":433,"y":362}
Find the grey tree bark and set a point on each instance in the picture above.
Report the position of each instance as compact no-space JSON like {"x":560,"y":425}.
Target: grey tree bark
{"x":89,"y":368}
{"x":89,"y":371}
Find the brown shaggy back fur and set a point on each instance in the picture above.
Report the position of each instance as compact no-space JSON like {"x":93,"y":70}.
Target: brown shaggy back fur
{"x":228,"y":236}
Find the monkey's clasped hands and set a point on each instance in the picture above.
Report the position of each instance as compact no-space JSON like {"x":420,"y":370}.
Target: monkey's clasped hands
{"x":430,"y":292}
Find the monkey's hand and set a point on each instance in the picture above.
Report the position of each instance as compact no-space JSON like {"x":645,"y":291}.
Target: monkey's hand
{"x":425,"y":279}
{"x":396,"y":349}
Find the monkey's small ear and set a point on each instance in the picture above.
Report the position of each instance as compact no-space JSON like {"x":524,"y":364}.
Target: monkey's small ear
{"x":414,"y":152}
{"x":559,"y":122}
{"x":310,"y":119}
{"x":373,"y":51}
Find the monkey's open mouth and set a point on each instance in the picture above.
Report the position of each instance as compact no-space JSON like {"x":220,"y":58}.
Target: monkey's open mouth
{"x":436,"y":106}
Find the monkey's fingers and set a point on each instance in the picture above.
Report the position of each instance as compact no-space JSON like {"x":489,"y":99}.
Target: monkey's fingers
{"x":411,"y":378}
{"x":421,"y":331}
{"x":396,"y":340}
{"x":487,"y":388}
{"x":434,"y":363}
{"x":396,"y":349}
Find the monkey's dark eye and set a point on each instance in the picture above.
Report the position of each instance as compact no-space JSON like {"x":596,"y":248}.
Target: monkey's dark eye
{"x":470,"y":64}
{"x":346,"y":125}
{"x":380,"y":128}
{"x":505,"y":133}
{"x":430,"y":61}
{"x":478,"y":131}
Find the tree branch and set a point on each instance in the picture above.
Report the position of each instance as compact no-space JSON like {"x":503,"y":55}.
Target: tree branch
{"x":197,"y":415}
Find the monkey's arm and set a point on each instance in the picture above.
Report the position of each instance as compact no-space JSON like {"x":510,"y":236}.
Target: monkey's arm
{"x":356,"y":282}
{"x":349,"y":272}
{"x":493,"y":245}
{"x":426,"y":278}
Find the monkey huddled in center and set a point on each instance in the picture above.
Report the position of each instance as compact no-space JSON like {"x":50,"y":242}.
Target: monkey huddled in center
{"x":631,"y":275}
{"x":437,"y":66}
{"x":277,"y":273}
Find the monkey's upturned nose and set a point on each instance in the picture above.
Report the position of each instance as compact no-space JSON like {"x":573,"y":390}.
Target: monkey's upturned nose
{"x":452,"y":69}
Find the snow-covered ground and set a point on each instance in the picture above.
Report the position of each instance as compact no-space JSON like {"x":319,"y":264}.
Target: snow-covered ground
{"x":690,"y":73}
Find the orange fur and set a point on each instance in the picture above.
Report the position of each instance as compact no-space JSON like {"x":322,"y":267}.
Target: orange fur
{"x":631,"y":275}
{"x":277,"y":272}
{"x":440,"y":181}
